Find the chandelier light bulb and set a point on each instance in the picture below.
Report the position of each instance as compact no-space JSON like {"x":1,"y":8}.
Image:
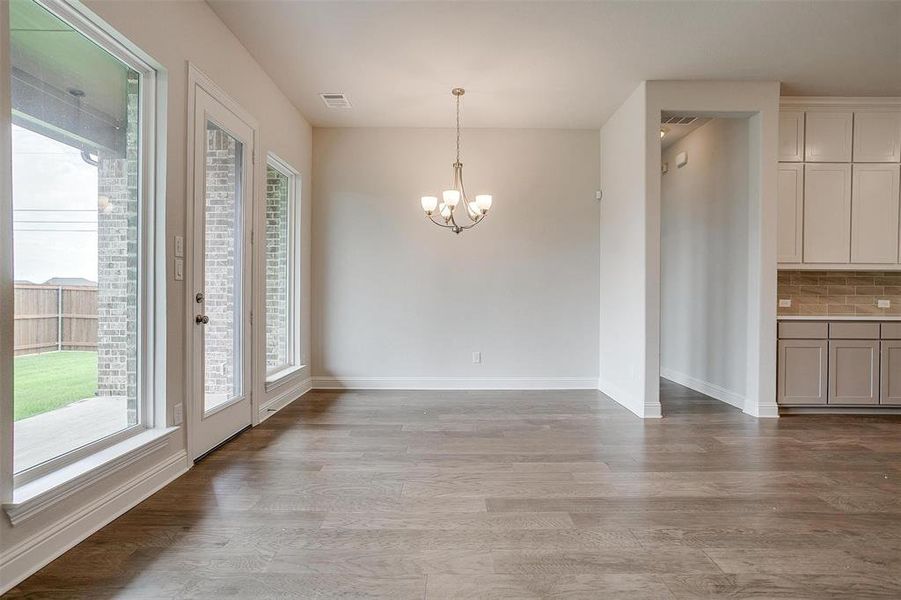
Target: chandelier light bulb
{"x":429,"y":203}
{"x":484,"y":202}
{"x":451,"y":198}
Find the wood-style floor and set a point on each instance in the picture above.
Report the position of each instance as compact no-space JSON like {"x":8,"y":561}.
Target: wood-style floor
{"x":513,"y":495}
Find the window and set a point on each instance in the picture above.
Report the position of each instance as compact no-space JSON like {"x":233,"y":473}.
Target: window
{"x":282,"y":265}
{"x":82,"y":227}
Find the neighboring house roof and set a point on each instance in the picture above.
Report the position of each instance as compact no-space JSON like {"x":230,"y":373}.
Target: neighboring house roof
{"x":70,"y":281}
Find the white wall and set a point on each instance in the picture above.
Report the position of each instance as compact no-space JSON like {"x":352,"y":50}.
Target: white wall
{"x":759,"y":101}
{"x":704,"y":261}
{"x":399,"y":302}
{"x":622,"y":348}
{"x":173,"y":33}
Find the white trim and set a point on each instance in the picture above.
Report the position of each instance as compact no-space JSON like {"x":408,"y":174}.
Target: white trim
{"x":270,"y":407}
{"x":843,"y":102}
{"x":713,"y":390}
{"x":31,"y":554}
{"x":195,"y":415}
{"x":295,"y":208}
{"x":454,"y":383}
{"x":41,"y":494}
{"x":6,"y":267}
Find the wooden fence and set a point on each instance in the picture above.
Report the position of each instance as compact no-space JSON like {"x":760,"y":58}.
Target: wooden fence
{"x":52,"y":317}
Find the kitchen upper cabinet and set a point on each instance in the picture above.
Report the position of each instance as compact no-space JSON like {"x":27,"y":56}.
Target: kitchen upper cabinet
{"x":790,"y":213}
{"x":828,"y":136}
{"x":853,"y":371}
{"x":827,"y":213}
{"x":890,"y":373}
{"x":791,"y":135}
{"x":877,"y":136}
{"x":874,"y":214}
{"x":802,"y":372}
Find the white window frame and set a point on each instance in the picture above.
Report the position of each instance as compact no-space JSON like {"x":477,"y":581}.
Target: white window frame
{"x":56,"y":474}
{"x":277,"y":374}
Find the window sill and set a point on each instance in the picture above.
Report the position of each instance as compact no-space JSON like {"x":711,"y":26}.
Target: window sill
{"x":279,"y":378}
{"x":36,"y":496}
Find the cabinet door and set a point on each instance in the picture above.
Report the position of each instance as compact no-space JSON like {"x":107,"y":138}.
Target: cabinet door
{"x":827,"y":136}
{"x":874,"y":214}
{"x":791,"y":135}
{"x":890,"y":372}
{"x":827,"y":213}
{"x":853,"y":371}
{"x":801,"y":376}
{"x":877,"y":136}
{"x":790,"y":215}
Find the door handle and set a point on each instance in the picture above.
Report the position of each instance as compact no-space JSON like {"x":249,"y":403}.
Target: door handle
{"x":201,"y":319}
{"x":198,"y":297}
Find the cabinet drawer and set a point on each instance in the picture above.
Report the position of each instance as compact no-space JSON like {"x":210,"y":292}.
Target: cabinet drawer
{"x":891,"y":331}
{"x":854,"y":331}
{"x":807,"y":330}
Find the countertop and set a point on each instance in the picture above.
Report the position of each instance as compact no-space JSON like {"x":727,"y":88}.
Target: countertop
{"x":839,"y":318}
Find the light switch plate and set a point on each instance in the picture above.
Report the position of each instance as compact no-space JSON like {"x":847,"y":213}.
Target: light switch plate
{"x":681,"y":159}
{"x":785,"y":302}
{"x":177,"y":414}
{"x":883,"y":303}
{"x":179,"y":269}
{"x":179,"y":246}
{"x":476,"y":358}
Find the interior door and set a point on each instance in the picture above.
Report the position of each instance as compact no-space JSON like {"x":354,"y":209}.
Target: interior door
{"x":221,"y":274}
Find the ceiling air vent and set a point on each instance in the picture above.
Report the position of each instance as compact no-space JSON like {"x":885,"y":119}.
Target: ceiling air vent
{"x":335,"y":100}
{"x":676,"y":120}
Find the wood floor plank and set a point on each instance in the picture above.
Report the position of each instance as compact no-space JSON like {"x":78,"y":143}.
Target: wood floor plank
{"x":519,"y":495}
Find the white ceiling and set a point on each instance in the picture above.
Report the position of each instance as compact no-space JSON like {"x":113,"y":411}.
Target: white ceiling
{"x":554,"y":64}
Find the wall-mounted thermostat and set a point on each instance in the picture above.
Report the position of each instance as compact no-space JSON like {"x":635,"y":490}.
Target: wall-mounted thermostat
{"x":681,"y":159}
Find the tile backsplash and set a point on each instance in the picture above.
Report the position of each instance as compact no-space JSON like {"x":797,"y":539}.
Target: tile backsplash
{"x":825,"y":293}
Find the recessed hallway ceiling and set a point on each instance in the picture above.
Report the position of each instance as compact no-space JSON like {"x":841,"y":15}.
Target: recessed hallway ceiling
{"x":554,"y":64}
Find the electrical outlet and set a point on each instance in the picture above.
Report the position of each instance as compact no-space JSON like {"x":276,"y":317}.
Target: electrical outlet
{"x":785,"y":302}
{"x":476,"y":358}
{"x":883,"y":303}
{"x":177,"y":416}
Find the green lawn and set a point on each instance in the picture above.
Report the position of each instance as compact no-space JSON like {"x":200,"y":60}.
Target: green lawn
{"x":45,"y":382}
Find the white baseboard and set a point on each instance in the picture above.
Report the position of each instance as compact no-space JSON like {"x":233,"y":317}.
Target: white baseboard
{"x":454,"y":383}
{"x":647,"y":411}
{"x":284,"y":398}
{"x":29,"y":555}
{"x":705,"y":387}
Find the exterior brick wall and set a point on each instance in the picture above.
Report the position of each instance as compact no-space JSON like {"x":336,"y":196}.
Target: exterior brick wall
{"x":222,"y":266}
{"x":278,"y":352}
{"x":117,"y":272}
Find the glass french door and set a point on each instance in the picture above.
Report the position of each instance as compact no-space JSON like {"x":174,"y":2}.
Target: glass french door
{"x":223,"y":192}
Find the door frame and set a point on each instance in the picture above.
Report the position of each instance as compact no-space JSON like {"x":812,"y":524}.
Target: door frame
{"x":197,"y":78}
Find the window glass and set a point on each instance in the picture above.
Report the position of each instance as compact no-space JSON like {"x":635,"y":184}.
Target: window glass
{"x":280,"y":271}
{"x":75,"y":181}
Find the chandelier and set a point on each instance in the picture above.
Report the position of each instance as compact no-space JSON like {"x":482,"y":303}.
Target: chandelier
{"x":451,"y":199}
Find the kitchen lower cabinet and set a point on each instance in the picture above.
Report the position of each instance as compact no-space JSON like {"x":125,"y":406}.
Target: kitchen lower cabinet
{"x":853,"y":372}
{"x":802,"y":372}
{"x":890,"y":373}
{"x":840,"y":363}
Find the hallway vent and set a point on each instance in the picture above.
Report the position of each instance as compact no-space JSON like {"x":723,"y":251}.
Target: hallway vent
{"x":335,"y":100}
{"x":674,"y":120}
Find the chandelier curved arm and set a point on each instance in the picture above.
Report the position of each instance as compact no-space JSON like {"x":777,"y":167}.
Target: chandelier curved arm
{"x":440,"y":224}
